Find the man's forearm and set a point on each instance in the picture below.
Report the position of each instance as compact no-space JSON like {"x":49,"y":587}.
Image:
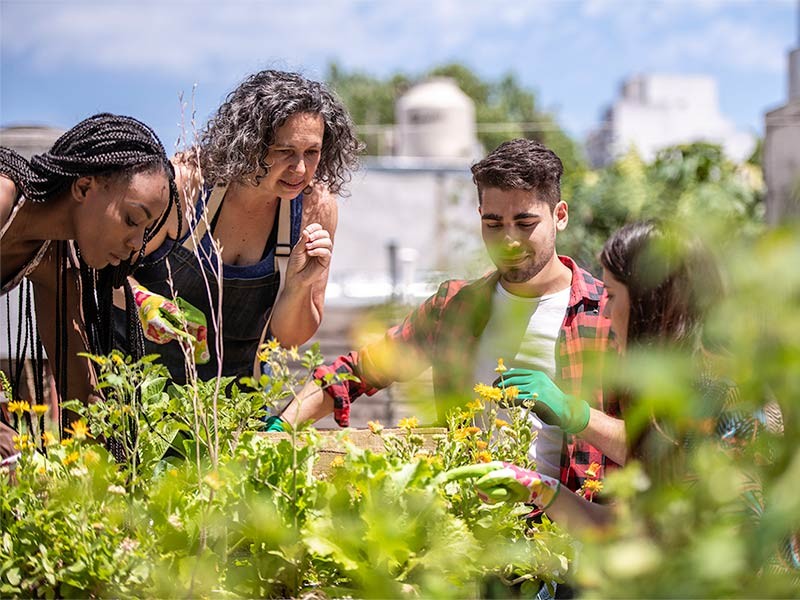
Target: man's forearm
{"x":607,"y":434}
{"x":311,"y":404}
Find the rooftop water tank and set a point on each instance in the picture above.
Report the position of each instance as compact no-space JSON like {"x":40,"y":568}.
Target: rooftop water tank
{"x":435,"y":119}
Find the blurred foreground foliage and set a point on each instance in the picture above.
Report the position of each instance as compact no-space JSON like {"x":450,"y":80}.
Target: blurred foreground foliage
{"x":204,"y":506}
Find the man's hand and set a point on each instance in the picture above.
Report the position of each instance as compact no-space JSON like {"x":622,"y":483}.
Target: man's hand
{"x":506,"y":482}
{"x":550,"y":404}
{"x":311,"y":255}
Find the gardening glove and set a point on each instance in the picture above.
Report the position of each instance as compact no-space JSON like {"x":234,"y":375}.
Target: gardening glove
{"x":277,"y":423}
{"x":551,"y":405}
{"x":506,"y":482}
{"x":163,"y":321}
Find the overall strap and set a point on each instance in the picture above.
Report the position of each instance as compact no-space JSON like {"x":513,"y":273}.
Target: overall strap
{"x":192,"y":241}
{"x":283,"y":249}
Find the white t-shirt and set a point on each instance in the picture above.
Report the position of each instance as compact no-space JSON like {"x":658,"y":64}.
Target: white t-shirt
{"x":523,"y":332}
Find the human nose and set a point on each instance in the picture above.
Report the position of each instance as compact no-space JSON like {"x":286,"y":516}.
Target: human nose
{"x":298,"y":165}
{"x":510,"y":242}
{"x":136,"y":241}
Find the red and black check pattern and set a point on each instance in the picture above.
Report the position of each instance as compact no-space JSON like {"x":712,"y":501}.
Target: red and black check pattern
{"x":443,"y":333}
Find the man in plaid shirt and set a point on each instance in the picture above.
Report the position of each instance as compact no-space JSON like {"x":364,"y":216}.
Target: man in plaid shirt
{"x":538,"y":310}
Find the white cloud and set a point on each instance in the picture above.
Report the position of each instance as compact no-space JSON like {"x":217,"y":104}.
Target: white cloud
{"x":736,"y":45}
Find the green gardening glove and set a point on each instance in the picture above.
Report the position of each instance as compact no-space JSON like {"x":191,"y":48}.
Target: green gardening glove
{"x":550,"y":404}
{"x":277,"y":423}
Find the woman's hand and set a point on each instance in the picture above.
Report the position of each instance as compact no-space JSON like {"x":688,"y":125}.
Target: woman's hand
{"x":310,"y":257}
{"x":506,"y":482}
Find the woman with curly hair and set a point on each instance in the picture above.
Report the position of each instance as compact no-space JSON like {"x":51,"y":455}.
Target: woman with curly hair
{"x":73,"y":224}
{"x":263,"y":180}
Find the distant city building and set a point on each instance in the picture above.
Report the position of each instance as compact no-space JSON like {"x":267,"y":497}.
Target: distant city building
{"x":657,"y":111}
{"x":782,"y":150}
{"x":29,"y":139}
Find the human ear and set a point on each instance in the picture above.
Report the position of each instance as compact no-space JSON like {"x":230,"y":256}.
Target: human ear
{"x":561,"y":215}
{"x":81,"y":187}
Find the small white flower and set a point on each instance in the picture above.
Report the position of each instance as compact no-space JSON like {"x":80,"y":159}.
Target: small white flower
{"x":175,"y":521}
{"x":117,"y":489}
{"x":128,"y":545}
{"x":80,"y":471}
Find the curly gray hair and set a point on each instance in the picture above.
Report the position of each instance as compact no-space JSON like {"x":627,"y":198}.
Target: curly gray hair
{"x":236,"y":139}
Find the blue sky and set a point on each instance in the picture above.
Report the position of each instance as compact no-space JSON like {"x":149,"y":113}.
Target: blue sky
{"x":64,"y":60}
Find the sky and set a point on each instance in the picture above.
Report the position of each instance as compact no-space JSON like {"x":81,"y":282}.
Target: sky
{"x":62,"y":60}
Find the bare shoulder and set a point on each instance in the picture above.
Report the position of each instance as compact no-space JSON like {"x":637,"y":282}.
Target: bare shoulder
{"x":320,"y":206}
{"x":44,"y":275}
{"x":8,"y":195}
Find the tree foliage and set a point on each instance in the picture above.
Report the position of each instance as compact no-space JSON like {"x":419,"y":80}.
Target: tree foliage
{"x":505,"y":107}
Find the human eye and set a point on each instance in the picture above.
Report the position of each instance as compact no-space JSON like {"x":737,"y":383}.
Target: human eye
{"x":130,"y":222}
{"x":527,"y":224}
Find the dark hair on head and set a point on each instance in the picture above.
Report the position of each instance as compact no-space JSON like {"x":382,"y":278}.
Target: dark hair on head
{"x":235,"y":141}
{"x":521,"y":164}
{"x":103,"y":145}
{"x":672,"y":279}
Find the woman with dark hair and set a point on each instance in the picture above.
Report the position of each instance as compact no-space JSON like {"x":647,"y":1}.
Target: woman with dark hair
{"x":263,"y":182}
{"x":74,"y":222}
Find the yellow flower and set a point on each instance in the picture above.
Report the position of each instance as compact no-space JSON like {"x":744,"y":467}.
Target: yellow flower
{"x":500,"y":368}
{"x":475,"y":405}
{"x":212,"y":480}
{"x":22,"y":442}
{"x":592,"y":470}
{"x":117,"y":359}
{"x":483,"y":456}
{"x":293,"y":354}
{"x":465,"y":432}
{"x":511,"y":392}
{"x":337,"y":462}
{"x":375,"y":426}
{"x":408,"y":423}
{"x":18,"y":407}
{"x":40,"y":409}
{"x":90,"y":457}
{"x":48,"y":438}
{"x":71,"y":457}
{"x":488,"y":393}
{"x":79,"y":430}
{"x":481,"y":445}
{"x":593,"y":485}
{"x":500,"y":423}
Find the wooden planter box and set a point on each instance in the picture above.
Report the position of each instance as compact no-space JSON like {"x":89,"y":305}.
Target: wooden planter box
{"x":331,"y":446}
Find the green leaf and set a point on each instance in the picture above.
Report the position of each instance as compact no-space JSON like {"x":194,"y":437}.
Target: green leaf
{"x":13,"y":576}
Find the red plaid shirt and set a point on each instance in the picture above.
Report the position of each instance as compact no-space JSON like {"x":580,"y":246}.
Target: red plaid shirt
{"x":443,"y":333}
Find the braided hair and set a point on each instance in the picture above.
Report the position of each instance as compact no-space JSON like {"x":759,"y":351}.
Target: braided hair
{"x":103,"y":145}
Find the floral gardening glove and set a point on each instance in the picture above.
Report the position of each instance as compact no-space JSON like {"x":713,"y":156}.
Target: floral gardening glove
{"x":551,"y":405}
{"x":506,"y":482}
{"x":163,"y":321}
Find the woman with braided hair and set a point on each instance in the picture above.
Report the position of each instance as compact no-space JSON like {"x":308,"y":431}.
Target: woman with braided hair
{"x":263,"y":182}
{"x":74,"y":222}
